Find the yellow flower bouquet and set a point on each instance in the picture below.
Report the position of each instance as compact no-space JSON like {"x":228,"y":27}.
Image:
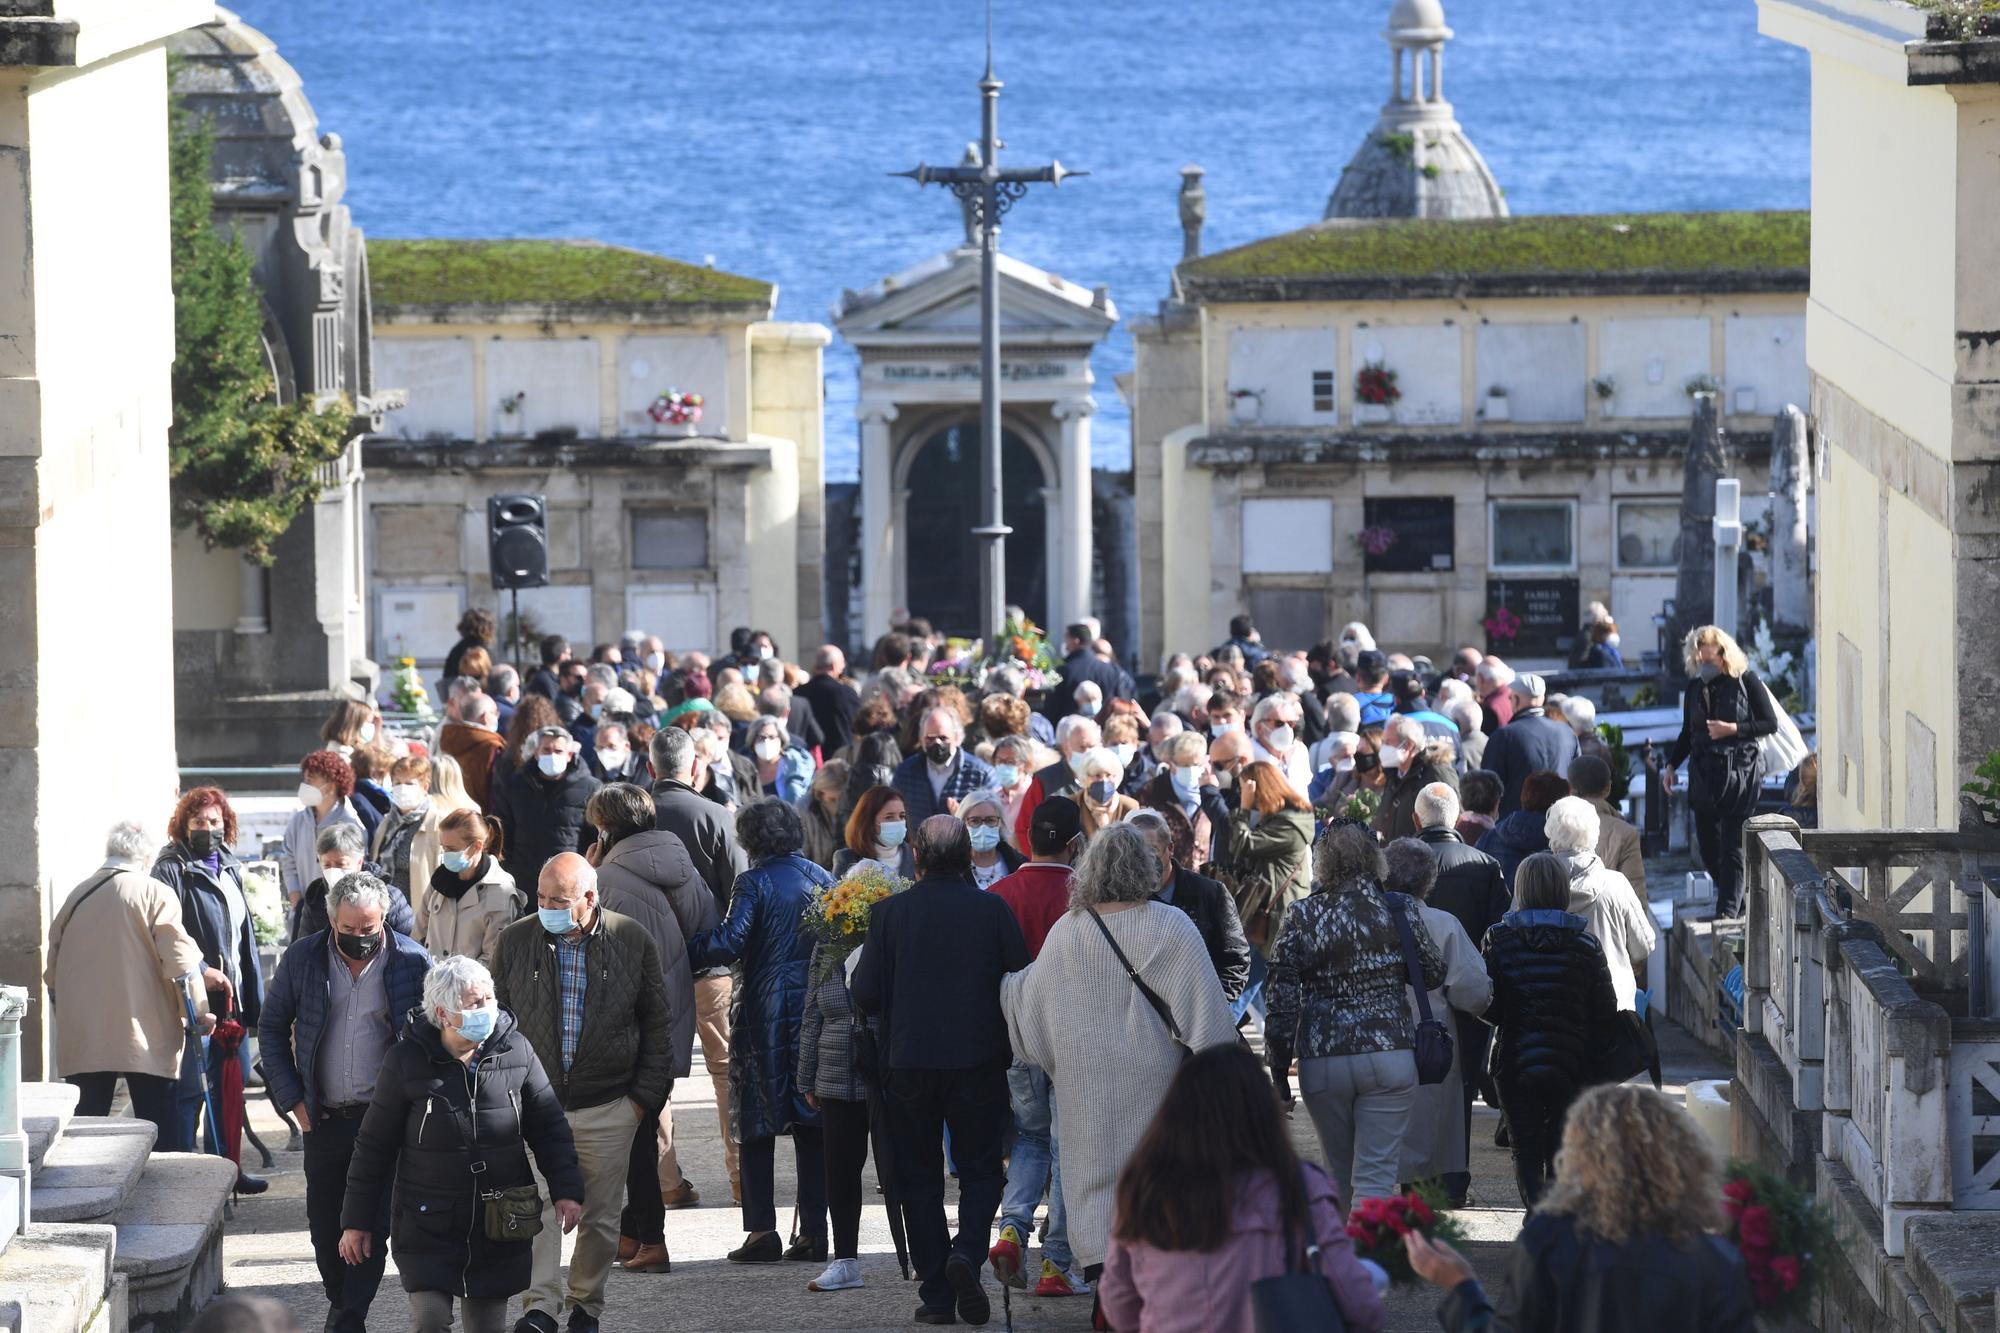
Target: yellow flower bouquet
{"x":837,"y":918}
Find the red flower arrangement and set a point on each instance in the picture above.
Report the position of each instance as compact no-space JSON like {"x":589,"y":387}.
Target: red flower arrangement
{"x":1377,"y":1228}
{"x":1779,"y":1232}
{"x":1376,"y":385}
{"x":1502,"y":625}
{"x":675,"y":408}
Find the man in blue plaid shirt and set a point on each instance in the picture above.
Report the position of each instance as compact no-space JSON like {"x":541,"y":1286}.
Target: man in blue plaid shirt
{"x":587,"y":989}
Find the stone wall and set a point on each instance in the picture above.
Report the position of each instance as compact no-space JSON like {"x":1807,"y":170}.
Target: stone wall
{"x":84,"y":412}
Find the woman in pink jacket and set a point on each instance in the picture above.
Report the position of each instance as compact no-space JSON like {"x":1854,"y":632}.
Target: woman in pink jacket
{"x":1201,"y":1208}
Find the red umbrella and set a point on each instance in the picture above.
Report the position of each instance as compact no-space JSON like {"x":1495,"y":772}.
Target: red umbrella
{"x":228,"y":1040}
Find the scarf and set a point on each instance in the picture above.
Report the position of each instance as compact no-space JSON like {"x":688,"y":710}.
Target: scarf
{"x":448,"y":884}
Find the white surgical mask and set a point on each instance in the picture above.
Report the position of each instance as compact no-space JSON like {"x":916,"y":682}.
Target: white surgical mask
{"x":656,"y":662}
{"x":763,"y":651}
{"x":767,"y":749}
{"x":1188,"y":777}
{"x":1279,"y":739}
{"x":1125,"y":753}
{"x":408,"y":796}
{"x":310,"y":796}
{"x":1392,"y":756}
{"x":332,"y":875}
{"x":613,"y":760}
{"x":1345,"y":765}
{"x":1220,"y":728}
{"x":366,"y":734}
{"x":552,"y":765}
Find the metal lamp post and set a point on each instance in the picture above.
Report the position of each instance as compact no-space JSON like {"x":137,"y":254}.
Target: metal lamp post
{"x":989,"y":190}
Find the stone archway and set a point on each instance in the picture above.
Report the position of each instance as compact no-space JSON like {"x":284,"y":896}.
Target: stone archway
{"x":940,"y":486}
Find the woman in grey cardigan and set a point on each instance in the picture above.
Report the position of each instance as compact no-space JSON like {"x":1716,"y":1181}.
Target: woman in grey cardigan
{"x":833,"y":1086}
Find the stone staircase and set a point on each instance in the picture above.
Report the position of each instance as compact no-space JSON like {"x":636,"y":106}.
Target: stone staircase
{"x":123,"y":1239}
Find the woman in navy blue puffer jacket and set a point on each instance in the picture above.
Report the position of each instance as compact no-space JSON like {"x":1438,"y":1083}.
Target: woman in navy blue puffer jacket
{"x":761,"y":940}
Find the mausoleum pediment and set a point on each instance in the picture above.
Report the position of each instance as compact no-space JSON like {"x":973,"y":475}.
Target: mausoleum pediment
{"x":937,"y":300}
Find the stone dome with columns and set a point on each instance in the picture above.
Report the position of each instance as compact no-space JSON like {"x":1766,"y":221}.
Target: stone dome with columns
{"x":1416,"y":161}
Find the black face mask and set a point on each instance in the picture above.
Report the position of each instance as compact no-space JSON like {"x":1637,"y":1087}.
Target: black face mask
{"x":358,"y":947}
{"x":1367,"y":763}
{"x":204,"y":842}
{"x":938,"y":752}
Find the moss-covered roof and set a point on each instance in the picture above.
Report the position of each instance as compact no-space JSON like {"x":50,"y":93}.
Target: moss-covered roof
{"x":587,"y":276}
{"x":1550,"y":253}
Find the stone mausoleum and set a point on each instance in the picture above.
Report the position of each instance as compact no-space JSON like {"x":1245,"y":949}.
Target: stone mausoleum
{"x":918,"y":335}
{"x":1423,"y":413}
{"x":549,"y":367}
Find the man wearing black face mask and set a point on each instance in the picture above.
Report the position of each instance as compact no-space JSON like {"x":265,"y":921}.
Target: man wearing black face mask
{"x":335,"y":1006}
{"x":941,"y":772}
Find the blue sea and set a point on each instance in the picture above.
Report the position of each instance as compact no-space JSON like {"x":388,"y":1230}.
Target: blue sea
{"x":760,"y":134}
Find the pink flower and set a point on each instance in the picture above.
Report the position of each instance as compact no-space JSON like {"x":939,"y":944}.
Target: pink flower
{"x":1757,"y":1228}
{"x":1788,"y":1272}
{"x":1739,"y":1191}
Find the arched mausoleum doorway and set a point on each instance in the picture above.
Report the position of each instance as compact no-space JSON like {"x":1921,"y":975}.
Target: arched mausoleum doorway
{"x":940,"y":495}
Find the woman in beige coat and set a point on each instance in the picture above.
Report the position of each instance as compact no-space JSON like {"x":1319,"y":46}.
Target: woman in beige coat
{"x":116,"y":990}
{"x":467,"y":900}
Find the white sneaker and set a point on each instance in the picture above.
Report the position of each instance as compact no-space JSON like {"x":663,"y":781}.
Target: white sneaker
{"x":840,"y":1275}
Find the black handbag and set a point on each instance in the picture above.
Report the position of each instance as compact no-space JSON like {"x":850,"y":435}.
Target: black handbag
{"x":1433,"y":1036}
{"x":1159,"y":1005}
{"x":1631,"y":1050}
{"x":1300,"y":1299}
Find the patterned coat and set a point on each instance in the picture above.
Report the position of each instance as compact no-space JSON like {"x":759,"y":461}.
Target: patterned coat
{"x":1337,"y":977}
{"x":913,"y":784}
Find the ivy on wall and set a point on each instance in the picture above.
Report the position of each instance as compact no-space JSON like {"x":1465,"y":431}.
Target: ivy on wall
{"x":242,"y":463}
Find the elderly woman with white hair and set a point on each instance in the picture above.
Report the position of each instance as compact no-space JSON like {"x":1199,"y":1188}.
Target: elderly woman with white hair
{"x":1121,"y":990}
{"x":984,"y":814}
{"x":460,"y":1101}
{"x":1099,"y":777}
{"x":118,"y":987}
{"x":1581,"y":715}
{"x":1601,"y":896}
{"x":1490,"y":683}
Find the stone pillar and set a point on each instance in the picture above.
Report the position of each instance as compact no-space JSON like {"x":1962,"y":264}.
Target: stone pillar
{"x":85,"y":404}
{"x":878,"y":529}
{"x":253,"y":598}
{"x":1791,"y":566}
{"x":1069,"y":592}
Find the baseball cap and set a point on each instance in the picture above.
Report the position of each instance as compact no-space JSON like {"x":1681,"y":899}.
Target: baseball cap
{"x":1054,"y":825}
{"x":1371,"y":660}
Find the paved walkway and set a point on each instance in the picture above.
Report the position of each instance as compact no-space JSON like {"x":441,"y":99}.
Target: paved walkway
{"x":267,"y":1250}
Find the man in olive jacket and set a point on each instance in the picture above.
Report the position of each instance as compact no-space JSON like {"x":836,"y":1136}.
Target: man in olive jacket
{"x":585,"y":987}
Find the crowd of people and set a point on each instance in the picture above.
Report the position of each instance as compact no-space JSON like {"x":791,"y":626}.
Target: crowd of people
{"x":507,"y":935}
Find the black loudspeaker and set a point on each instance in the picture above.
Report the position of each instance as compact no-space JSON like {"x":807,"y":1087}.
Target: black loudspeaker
{"x":517,"y":537}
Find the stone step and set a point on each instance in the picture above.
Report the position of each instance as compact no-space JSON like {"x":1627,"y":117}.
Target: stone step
{"x":90,"y":1169}
{"x":58,"y":1278}
{"x":46,"y":1109}
{"x":170,"y":1238}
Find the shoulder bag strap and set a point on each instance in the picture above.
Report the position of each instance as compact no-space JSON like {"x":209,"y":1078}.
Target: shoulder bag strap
{"x":1159,"y":1005}
{"x":70,"y":908}
{"x":1410,"y":964}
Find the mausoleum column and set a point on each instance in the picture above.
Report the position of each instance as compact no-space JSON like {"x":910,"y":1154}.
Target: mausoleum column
{"x":1069,"y":590}
{"x":878,"y":527}
{"x":253,"y":598}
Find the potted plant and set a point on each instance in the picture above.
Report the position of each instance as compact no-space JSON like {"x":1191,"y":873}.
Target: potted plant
{"x":1245,"y":406}
{"x":1702,"y":383}
{"x":1375,"y":393}
{"x":1497,"y":407}
{"x":1604,"y":387}
{"x":510,"y":413}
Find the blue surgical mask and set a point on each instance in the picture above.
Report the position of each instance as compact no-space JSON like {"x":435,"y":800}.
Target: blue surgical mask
{"x":1005,"y":776}
{"x":890,"y":833}
{"x":1102,"y":790}
{"x":556,"y":920}
{"x":597,"y":710}
{"x":1089,"y":709}
{"x":455,"y":862}
{"x":1076,"y":762}
{"x":476,"y":1025}
{"x":984,"y":838}
{"x":1220,"y":728}
{"x":1188,"y":778}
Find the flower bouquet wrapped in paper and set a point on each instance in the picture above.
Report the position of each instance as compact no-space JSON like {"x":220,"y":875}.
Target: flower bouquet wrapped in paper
{"x":837,"y":919}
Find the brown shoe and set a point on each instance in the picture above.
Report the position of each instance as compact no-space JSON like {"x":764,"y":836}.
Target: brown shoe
{"x":650,"y":1259}
{"x":627,"y":1247}
{"x":683,"y":1195}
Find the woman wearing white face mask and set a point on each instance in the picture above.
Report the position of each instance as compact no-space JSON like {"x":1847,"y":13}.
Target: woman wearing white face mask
{"x":878,"y":830}
{"x":405,"y":844}
{"x":325,"y":783}
{"x":468,"y":898}
{"x":985,"y":818}
{"x":783,"y":771}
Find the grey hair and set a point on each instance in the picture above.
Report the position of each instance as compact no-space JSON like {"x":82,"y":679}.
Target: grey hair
{"x":604,"y":730}
{"x":1006,"y":680}
{"x":360,"y":889}
{"x":1282,"y":706}
{"x":1581,"y":714}
{"x":1345,"y":853}
{"x":1343,"y":713}
{"x":1103,"y":759}
{"x":1187,"y":748}
{"x":533,"y":742}
{"x":1074,"y":723}
{"x":672,"y":752}
{"x":620,"y":700}
{"x":1437,"y":806}
{"x":345,"y":838}
{"x":1499,"y":673}
{"x":1155,"y":826}
{"x":951,"y":718}
{"x":452,"y":979}
{"x":774,"y":700}
{"x":602,"y":673}
{"x":128,"y":843}
{"x":1571,"y":825}
{"x":1402,"y":724}
{"x":479,"y":704}
{"x":984,"y":796}
{"x":1022,"y":745}
{"x":758,"y":726}
{"x":1118,"y":865}
{"x":1464,"y":714}
{"x":1192,"y":698}
{"x":1409,"y":868}
{"x":1165,"y":724}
